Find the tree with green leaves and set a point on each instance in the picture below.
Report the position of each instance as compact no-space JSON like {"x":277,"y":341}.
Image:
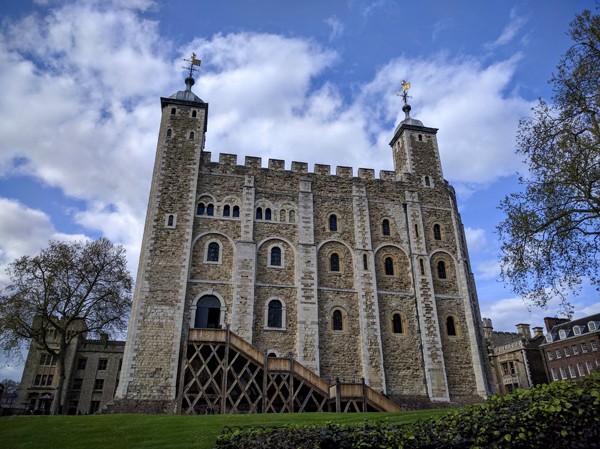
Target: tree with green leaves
{"x":69,"y":290}
{"x":551,"y":233}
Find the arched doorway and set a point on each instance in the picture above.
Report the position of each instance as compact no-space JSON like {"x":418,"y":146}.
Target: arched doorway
{"x":208,"y":313}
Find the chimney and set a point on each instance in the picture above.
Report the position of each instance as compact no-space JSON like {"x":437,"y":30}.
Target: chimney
{"x":524,"y":331}
{"x":550,"y":322}
{"x":487,"y":328}
{"x":538,"y":332}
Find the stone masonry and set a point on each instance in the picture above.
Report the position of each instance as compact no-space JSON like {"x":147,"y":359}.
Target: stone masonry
{"x":351,"y":275}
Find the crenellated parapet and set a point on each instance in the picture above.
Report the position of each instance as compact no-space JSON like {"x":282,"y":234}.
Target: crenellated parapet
{"x":228,"y":161}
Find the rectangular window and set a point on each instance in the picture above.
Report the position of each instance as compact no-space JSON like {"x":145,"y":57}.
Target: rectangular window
{"x":589,"y":366}
{"x":549,"y":355}
{"x":558,"y":354}
{"x":583,"y":347}
{"x":572,"y":372}
{"x":567,"y":353}
{"x":81,"y":363}
{"x":563,"y":373}
{"x":47,"y":360}
{"x":94,"y":406}
{"x":49,"y":380}
{"x":102,"y":364}
{"x":554,"y":374}
{"x":594,"y":345}
{"x":38,"y":379}
{"x":77,"y":383}
{"x":98,"y":384}
{"x":575,"y":349}
{"x":581,"y":370}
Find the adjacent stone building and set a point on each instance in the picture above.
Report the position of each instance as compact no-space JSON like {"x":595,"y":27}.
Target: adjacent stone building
{"x":352,"y":275}
{"x":571,"y":347}
{"x":91,"y":377}
{"x":515,"y":357}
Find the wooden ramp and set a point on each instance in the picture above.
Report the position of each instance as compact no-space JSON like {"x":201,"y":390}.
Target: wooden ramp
{"x":225,"y":374}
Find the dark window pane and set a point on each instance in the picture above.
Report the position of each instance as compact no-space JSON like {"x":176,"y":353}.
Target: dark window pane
{"x":333,"y":222}
{"x":274,"y":318}
{"x":276,"y":256}
{"x":337,"y":321}
{"x":334,"y":262}
{"x":213,"y":252}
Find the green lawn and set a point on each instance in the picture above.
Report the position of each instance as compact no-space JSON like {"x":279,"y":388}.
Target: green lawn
{"x":160,"y":432}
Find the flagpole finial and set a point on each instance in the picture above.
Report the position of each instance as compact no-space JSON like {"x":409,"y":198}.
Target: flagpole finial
{"x":404,"y":94}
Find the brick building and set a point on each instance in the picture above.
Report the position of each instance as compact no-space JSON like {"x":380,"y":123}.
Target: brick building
{"x":571,"y":347}
{"x":91,"y":377}
{"x":515,"y":357}
{"x":348,"y":275}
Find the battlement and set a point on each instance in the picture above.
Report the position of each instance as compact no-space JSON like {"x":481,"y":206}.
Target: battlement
{"x":230,"y":160}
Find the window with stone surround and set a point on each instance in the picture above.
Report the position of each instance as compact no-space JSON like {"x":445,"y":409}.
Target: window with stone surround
{"x":213,"y":252}
{"x":451,"y":326}
{"x":102,"y":364}
{"x":593,"y":345}
{"x":580,"y":369}
{"x":572,"y":372}
{"x":441,"y":269}
{"x":170,"y":221}
{"x":226,"y":210}
{"x":575,"y":349}
{"x":334,"y":263}
{"x":210,"y":210}
{"x":563,"y":373}
{"x":558,"y":353}
{"x":584,"y":347}
{"x":275,"y":257}
{"x":275,"y":314}
{"x":398,"y":324}
{"x":554,"y":373}
{"x":259,"y":213}
{"x":194,"y":113}
{"x":173,"y":111}
{"x":81,"y":362}
{"x":385,"y":227}
{"x":549,"y":355}
{"x":422,"y":266}
{"x":292,"y":216}
{"x":268,"y":214}
{"x":169,"y":133}
{"x":589,"y":366}
{"x":200,"y":209}
{"x":365,"y":262}
{"x":437,"y":232}
{"x":388,"y":264}
{"x":99,"y":384}
{"x":208,"y":313}
{"x":338,"y":320}
{"x":282,"y":216}
{"x":333,"y":223}
{"x":566,"y":351}
{"x":236,"y":211}
{"x":192,"y":135}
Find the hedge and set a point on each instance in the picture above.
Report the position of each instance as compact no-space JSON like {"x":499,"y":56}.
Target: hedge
{"x":561,"y":415}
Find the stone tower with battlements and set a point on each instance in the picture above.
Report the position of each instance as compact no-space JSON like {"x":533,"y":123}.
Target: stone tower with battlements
{"x":353,"y":276}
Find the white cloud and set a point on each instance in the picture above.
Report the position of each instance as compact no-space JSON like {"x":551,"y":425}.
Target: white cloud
{"x":509,"y":32}
{"x":336,"y":26}
{"x":476,"y":239}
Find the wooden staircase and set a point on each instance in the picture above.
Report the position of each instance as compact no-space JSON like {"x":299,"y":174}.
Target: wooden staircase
{"x":223,"y":373}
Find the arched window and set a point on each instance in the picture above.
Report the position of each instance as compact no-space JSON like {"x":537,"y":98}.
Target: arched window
{"x":292,"y":216}
{"x":337,"y":321}
{"x":208,"y":313}
{"x":427,"y":182}
{"x":212,"y":254}
{"x":274,"y":317}
{"x":169,"y":132}
{"x":333,"y":222}
{"x":194,"y":113}
{"x":365,"y":262}
{"x":267,"y":214}
{"x":210,"y":210}
{"x":385,"y":227}
{"x":420,"y":138}
{"x":389,"y":266}
{"x":191,"y":134}
{"x":437,"y":232}
{"x":226,"y":210}
{"x":259,"y":213}
{"x":282,"y":215}
{"x":173,"y":111}
{"x":201,"y":209}
{"x":334,"y":262}
{"x":397,"y":327}
{"x":276,"y":256}
{"x":441,"y":269}
{"x":236,"y":211}
{"x":170,"y":220}
{"x":450,"y":326}
{"x":271,"y":354}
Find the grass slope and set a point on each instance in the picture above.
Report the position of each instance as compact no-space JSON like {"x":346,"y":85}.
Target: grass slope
{"x":160,"y":432}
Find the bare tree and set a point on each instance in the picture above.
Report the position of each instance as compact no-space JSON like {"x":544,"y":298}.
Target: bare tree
{"x":68,"y":290}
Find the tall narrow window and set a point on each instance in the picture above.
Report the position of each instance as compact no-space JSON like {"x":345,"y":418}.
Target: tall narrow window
{"x":191,"y":134}
{"x":389,"y":266}
{"x":437,"y":232}
{"x":427,"y":182}
{"x":173,"y":111}
{"x":333,"y":222}
{"x":210,"y":210}
{"x":397,"y":324}
{"x":276,"y":256}
{"x":226,"y":210}
{"x":169,"y":132}
{"x":267,"y":214}
{"x":282,"y":215}
{"x":274,"y":315}
{"x":441,"y":269}
{"x":292,"y":216}
{"x":212,"y":254}
{"x":365,"y":262}
{"x":420,"y":137}
{"x":450,"y":326}
{"x":337,"y":321}
{"x":194,"y":113}
{"x":170,"y":220}
{"x":422,"y":267}
{"x":385,"y":227}
{"x":259,"y":213}
{"x":417,"y":231}
{"x":334,"y":262}
{"x":236,"y":211}
{"x":201,"y":209}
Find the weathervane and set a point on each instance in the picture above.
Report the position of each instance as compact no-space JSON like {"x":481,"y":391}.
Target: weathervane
{"x":404,"y":92}
{"x":192,"y":63}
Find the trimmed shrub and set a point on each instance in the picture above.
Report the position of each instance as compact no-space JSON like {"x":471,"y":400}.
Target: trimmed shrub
{"x":560,"y":415}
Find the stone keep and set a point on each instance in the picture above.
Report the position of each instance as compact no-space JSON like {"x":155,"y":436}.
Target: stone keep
{"x":363,"y":276}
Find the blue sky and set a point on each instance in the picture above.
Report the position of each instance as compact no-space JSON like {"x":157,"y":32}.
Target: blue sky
{"x":310,"y":81}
